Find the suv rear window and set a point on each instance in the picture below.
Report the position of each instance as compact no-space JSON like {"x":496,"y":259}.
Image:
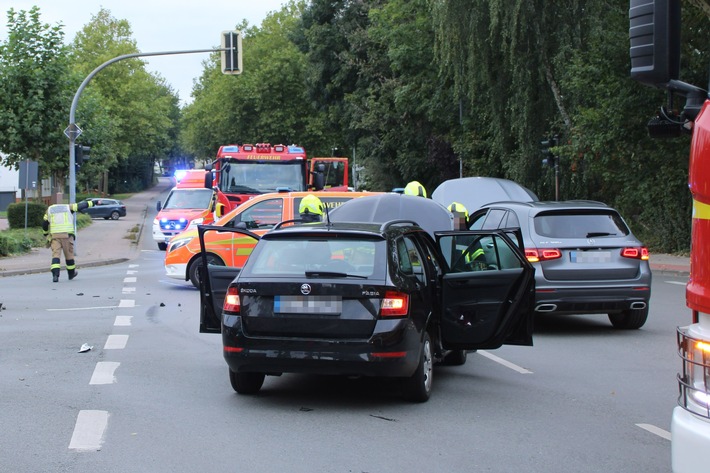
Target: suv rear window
{"x":579,"y":224}
{"x":296,"y":256}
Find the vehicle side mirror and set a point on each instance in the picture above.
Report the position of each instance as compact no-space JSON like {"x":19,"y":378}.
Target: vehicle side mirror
{"x":158,"y":206}
{"x":241,"y":225}
{"x":219,"y":211}
{"x":654,"y":34}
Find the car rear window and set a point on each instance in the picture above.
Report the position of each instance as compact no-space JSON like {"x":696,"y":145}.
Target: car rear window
{"x":291,"y":257}
{"x":580,"y":224}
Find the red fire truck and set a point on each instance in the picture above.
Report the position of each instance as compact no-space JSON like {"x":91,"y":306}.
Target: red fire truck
{"x":655,"y":35}
{"x":243,"y":171}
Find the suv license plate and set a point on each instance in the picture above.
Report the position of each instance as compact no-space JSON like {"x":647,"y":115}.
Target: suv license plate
{"x":590,"y":256}
{"x":325,"y":305}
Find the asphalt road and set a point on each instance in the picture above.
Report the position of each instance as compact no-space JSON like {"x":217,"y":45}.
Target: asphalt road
{"x":153,"y":394}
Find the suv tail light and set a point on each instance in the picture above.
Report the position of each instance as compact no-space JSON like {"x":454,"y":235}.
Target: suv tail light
{"x":635,"y":252}
{"x":231,"y":300}
{"x":394,"y":304}
{"x":535,"y":255}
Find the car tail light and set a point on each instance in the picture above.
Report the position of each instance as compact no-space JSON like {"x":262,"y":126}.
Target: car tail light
{"x":231,"y":300}
{"x":535,"y":255}
{"x":636,"y":252}
{"x":394,"y":304}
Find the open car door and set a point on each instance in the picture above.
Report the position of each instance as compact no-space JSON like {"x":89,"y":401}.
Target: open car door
{"x":214,"y":281}
{"x":487,"y":290}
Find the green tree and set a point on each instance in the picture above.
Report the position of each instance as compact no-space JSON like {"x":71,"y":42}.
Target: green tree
{"x":134,"y":115}
{"x":35,"y":94}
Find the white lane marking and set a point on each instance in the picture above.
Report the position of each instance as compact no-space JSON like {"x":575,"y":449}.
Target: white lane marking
{"x":89,"y":431}
{"x":131,"y":272}
{"x":83,"y":308}
{"x":103,"y":373}
{"x":676,"y":282}
{"x":133,"y":265}
{"x":129,"y":290}
{"x":127,"y":303}
{"x":116,"y":342}
{"x":123,"y":320}
{"x":503,"y":362}
{"x":127,"y":280}
{"x":655,"y":430}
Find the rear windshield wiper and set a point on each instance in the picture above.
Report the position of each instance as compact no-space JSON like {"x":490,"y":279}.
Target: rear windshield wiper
{"x":332,"y":274}
{"x":597,"y":234}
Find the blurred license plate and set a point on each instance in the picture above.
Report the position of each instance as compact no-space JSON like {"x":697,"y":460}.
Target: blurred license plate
{"x":590,"y":256}
{"x":328,"y":305}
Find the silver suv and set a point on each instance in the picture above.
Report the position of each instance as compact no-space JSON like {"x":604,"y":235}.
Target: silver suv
{"x":587,"y":261}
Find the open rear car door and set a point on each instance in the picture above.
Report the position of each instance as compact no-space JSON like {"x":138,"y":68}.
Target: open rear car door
{"x":214,"y":281}
{"x":488,"y":290}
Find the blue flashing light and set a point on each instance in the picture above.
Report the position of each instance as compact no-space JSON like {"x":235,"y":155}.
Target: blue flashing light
{"x":295,"y":149}
{"x":230,"y":149}
{"x":179,"y":174}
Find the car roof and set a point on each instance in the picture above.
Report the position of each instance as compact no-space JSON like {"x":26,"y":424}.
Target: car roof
{"x":547,"y":205}
{"x":382,"y":208}
{"x":336,"y":229}
{"x":477,"y":192}
{"x":293,"y":195}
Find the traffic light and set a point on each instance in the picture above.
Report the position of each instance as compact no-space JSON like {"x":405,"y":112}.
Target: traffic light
{"x":81,"y":154}
{"x":231,"y":54}
{"x":548,"y":156}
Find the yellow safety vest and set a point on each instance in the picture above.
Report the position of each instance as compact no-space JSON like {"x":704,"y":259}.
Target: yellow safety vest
{"x":61,"y":219}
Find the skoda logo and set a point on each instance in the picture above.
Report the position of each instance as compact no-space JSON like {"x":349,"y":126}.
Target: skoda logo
{"x":305,"y":289}
{"x":591,"y":241}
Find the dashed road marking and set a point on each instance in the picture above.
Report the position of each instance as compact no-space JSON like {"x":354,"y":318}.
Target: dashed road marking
{"x":104,"y":372}
{"x":655,"y":430}
{"x":89,"y":431}
{"x":116,"y":342}
{"x":680,"y":283}
{"x":505,"y":363}
{"x":127,"y":303}
{"x":127,"y":280}
{"x":123,"y":320}
{"x":129,"y":290}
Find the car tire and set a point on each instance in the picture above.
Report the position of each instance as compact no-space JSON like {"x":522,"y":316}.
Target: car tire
{"x":630,"y":319}
{"x":456,"y":358}
{"x":162,"y":246}
{"x":417,"y":388}
{"x":246,"y":383}
{"x":115,"y":215}
{"x":192,"y":271}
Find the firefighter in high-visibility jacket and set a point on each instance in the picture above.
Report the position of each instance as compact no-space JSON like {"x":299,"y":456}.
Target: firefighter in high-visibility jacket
{"x":58,"y":227}
{"x":311,"y":209}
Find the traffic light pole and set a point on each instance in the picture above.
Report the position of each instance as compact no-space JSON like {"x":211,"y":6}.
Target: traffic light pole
{"x":73,"y":131}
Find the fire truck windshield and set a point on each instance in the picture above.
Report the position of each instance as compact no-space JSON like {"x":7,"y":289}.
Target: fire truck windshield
{"x":261,"y":177}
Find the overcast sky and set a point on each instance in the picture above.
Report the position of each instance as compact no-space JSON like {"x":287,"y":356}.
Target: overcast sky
{"x":157,"y":25}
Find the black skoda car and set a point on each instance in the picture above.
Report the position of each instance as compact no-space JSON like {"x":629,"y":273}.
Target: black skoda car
{"x":366,"y":299}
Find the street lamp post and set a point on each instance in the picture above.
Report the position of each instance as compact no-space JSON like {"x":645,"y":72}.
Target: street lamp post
{"x":72,"y":132}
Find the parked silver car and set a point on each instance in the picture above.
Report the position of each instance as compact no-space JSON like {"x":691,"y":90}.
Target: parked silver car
{"x":585,"y":256}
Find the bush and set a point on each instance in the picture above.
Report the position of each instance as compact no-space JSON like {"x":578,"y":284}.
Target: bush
{"x":16,"y":214}
{"x":13,"y":242}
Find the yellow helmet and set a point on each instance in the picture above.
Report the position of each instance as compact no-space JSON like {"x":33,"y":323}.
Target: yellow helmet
{"x":311,"y":205}
{"x":415,"y":188}
{"x":456,"y":207}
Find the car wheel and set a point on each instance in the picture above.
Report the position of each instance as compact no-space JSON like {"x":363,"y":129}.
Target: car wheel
{"x":629,"y":319}
{"x":162,"y":246}
{"x":115,"y":215}
{"x":417,"y":388}
{"x":456,"y":357}
{"x":246,"y":383}
{"x":193,"y":273}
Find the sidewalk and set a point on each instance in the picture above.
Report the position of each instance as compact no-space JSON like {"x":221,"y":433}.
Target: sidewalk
{"x":112,"y":241}
{"x":101,"y":243}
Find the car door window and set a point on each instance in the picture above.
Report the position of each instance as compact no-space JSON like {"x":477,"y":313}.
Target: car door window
{"x":265,"y":214}
{"x":493,"y":219}
{"x":467,"y":253}
{"x":410,"y":258}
